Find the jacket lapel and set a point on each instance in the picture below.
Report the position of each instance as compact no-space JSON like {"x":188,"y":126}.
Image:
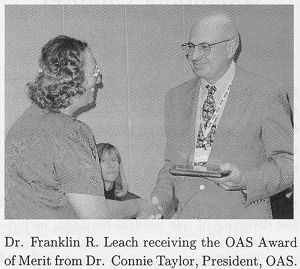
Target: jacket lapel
{"x":192,"y":96}
{"x":231,"y":115}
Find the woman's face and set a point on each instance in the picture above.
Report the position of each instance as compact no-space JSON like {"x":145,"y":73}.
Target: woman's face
{"x":110,"y":166}
{"x":92,"y":77}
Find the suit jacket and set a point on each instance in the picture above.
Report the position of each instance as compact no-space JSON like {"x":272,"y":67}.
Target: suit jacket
{"x":255,"y":133}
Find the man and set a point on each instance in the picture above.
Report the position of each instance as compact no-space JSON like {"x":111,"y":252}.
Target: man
{"x":229,"y":116}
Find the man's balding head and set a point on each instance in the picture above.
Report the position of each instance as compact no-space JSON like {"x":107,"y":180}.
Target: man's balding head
{"x":219,"y":31}
{"x":219,"y":25}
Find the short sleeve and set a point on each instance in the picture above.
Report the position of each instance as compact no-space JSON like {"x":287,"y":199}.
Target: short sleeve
{"x":75,"y":163}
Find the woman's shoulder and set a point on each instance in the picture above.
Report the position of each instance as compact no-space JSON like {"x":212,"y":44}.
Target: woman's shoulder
{"x":71,"y":129}
{"x":37,"y":123}
{"x":60,"y":123}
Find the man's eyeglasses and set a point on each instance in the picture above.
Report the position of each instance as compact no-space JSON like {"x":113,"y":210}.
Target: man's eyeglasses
{"x":189,"y":48}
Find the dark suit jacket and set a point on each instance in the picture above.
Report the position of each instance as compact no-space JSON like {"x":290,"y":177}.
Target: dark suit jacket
{"x":255,"y":133}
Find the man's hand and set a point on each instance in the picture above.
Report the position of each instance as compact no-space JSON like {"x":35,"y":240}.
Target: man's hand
{"x":234,"y":181}
{"x":158,"y":206}
{"x":148,"y":210}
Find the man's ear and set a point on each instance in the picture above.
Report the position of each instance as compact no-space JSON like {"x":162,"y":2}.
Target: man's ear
{"x":231,"y":48}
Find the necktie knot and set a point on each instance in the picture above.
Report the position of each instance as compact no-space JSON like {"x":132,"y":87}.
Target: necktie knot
{"x":211,"y":89}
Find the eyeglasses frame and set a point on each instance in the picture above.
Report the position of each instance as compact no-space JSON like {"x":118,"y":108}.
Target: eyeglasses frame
{"x":202,"y":43}
{"x":98,"y":75}
{"x":97,"y":72}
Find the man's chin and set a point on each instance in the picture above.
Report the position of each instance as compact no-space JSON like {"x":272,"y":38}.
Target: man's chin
{"x":199,"y":72}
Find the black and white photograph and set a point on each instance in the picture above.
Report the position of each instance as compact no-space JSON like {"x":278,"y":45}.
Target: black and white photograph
{"x":150,"y":134}
{"x":149,"y":111}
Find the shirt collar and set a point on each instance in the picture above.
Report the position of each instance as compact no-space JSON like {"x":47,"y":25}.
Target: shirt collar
{"x":225,"y":80}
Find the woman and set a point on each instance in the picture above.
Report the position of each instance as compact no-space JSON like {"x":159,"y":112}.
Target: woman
{"x":115,"y":184}
{"x":51,"y":163}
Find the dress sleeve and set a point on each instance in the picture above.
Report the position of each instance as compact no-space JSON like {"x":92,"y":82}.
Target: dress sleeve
{"x":164,"y":189}
{"x":76,"y":162}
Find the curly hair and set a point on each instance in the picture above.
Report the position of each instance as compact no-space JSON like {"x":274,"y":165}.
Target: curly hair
{"x":121,"y":187}
{"x":61,"y":75}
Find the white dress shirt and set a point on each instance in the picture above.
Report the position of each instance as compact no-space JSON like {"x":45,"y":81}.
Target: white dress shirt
{"x":222,"y":85}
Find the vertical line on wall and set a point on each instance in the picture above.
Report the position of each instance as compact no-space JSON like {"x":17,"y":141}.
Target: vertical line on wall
{"x":63,"y":19}
{"x":183,"y":33}
{"x":127,"y":89}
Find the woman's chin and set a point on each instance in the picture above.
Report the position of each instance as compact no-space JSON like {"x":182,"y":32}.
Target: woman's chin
{"x":110,"y":179}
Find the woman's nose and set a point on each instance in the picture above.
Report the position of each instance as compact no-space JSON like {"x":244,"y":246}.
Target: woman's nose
{"x":98,"y":82}
{"x":111,"y":164}
{"x":99,"y":78}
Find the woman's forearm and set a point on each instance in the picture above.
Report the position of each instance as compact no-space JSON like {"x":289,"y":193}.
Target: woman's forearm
{"x":123,"y":209}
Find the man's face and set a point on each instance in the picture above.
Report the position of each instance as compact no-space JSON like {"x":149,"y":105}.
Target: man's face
{"x":213,"y":66}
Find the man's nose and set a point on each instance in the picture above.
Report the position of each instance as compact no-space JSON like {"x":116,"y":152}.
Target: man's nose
{"x":198,"y":53}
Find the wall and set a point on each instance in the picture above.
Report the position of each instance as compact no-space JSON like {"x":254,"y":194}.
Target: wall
{"x":137,"y":47}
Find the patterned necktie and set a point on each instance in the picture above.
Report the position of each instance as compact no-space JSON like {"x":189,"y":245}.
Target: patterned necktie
{"x":209,"y":108}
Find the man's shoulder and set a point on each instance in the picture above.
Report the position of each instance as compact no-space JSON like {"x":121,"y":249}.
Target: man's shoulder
{"x":254,"y":78}
{"x":183,"y":88}
{"x":256,"y":83}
